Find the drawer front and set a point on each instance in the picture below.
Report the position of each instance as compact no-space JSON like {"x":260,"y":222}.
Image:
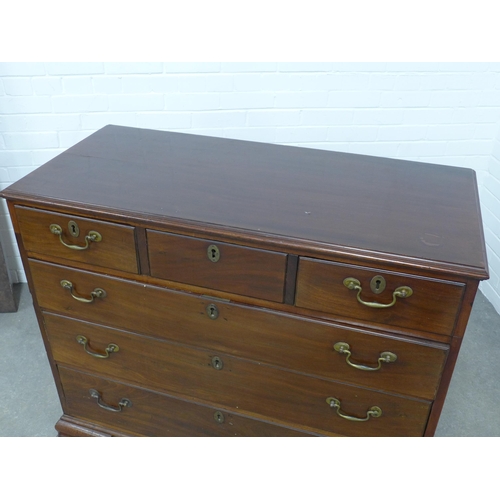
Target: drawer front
{"x":153,"y":414}
{"x":286,"y":342}
{"x":115,"y":249}
{"x":255,"y":389}
{"x":278,"y":339}
{"x":432,"y":307}
{"x":219,"y":266}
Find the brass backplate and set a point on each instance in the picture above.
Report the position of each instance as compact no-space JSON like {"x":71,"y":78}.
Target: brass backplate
{"x":377,"y":284}
{"x":213,"y":253}
{"x":212,"y":311}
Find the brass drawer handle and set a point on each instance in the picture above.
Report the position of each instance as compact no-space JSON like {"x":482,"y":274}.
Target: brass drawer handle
{"x":374,"y":411}
{"x":385,"y":357}
{"x":401,"y":292}
{"x":124,"y":402}
{"x":93,"y":236}
{"x":111,"y":348}
{"x":97,"y":293}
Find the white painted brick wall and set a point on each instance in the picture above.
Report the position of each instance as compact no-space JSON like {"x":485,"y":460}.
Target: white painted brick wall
{"x":447,"y":113}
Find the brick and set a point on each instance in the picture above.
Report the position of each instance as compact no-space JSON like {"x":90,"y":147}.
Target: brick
{"x":361,"y":67}
{"x":21,"y":69}
{"x":192,"y":102}
{"x":385,"y":149}
{"x":476,"y":115}
{"x":192,"y":67}
{"x":301,"y":100}
{"x":419,"y":149}
{"x":490,"y":220}
{"x":219,"y":119}
{"x":74,"y":68}
{"x":450,"y":132}
{"x":489,"y":98}
{"x":404,"y":99}
{"x":79,"y":85}
{"x":79,"y":103}
{"x":348,"y":81}
{"x":31,"y":140}
{"x":326,"y":117}
{"x":298,"y":135}
{"x":305,"y":66}
{"x":493,"y":243}
{"x":270,"y":117}
{"x":463,"y":66}
{"x":266,"y":82}
{"x":378,"y":116}
{"x":136,"y":84}
{"x":40,"y":122}
{"x":14,"y":158}
{"x":25,"y":104}
{"x":47,"y":85}
{"x":246,"y":100}
{"x":354,"y":99}
{"x":492,"y":186}
{"x":164,"y":120}
{"x":205,"y":83}
{"x":136,"y":102}
{"x":485,"y":131}
{"x":17,"y":86}
{"x":428,"y":116}
{"x":4,"y":175}
{"x":248,"y":67}
{"x":407,"y":82}
{"x":469,"y":147}
{"x":455,"y":98}
{"x":382,"y":81}
{"x":130,"y":68}
{"x":107,"y":84}
{"x":352,"y":134}
{"x":402,"y":133}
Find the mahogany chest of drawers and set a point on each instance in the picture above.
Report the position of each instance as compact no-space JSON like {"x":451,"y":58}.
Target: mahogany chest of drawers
{"x":194,"y":286}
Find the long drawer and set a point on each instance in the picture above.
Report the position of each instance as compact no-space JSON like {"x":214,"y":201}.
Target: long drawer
{"x":153,"y":414}
{"x":423,"y":304}
{"x":258,"y":390}
{"x":279,"y":339}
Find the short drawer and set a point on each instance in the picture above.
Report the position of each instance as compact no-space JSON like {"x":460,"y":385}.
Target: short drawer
{"x":53,"y":234}
{"x":219,"y":266}
{"x":432,"y":306}
{"x":153,"y":414}
{"x":266,"y":393}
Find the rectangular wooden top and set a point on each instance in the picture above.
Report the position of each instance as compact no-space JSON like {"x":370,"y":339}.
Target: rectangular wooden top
{"x":415,"y":212}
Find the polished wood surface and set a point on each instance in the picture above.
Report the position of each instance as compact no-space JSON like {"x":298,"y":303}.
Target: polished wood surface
{"x":433,"y":306}
{"x":116,"y":250}
{"x":153,"y":414}
{"x":240,"y":270}
{"x":282,"y":341}
{"x":410,"y":210}
{"x":290,"y":225}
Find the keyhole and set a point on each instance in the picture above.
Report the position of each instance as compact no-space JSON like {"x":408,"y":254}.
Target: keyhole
{"x":377,"y":285}
{"x":73,"y":228}
{"x":212,"y":311}
{"x":213,"y":253}
{"x":217,"y":363}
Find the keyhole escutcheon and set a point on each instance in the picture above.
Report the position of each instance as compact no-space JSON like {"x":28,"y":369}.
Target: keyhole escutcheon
{"x":212,"y":311}
{"x":217,"y":363}
{"x":73,"y":228}
{"x":213,"y":253}
{"x":377,"y":284}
